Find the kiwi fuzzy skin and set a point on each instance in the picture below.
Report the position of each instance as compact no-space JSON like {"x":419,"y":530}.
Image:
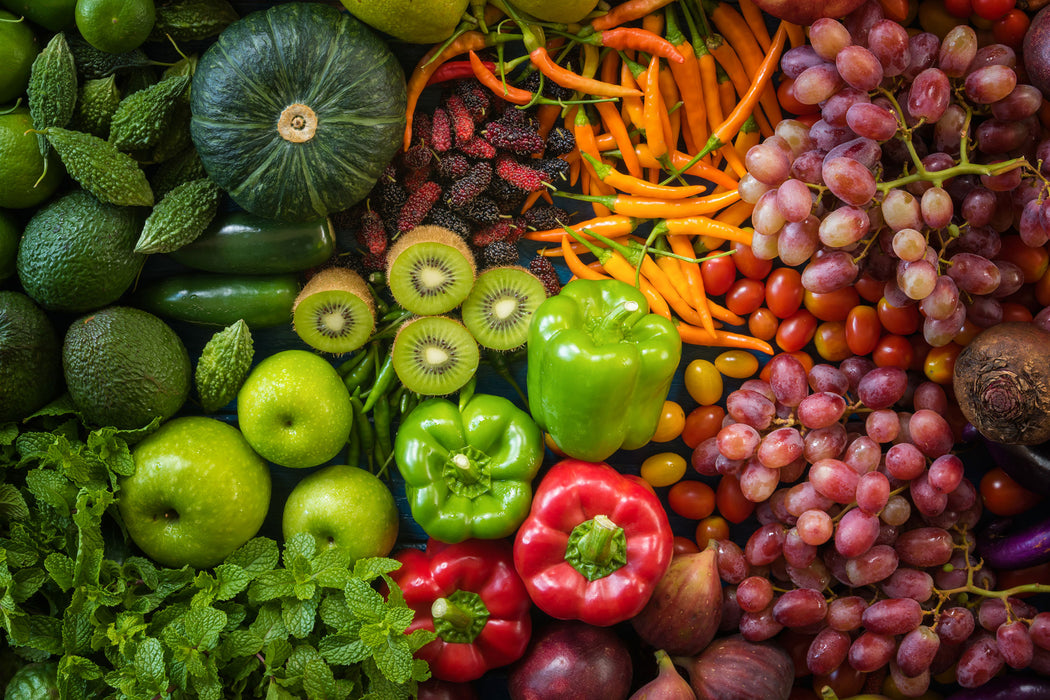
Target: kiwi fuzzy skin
{"x":1002,"y":383}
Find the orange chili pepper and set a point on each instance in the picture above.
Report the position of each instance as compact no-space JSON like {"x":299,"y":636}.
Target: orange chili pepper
{"x":546,"y":116}
{"x":748,"y":136}
{"x":694,"y":281}
{"x":574,"y":81}
{"x":734,"y":29}
{"x":632,"y":106}
{"x":702,"y":225}
{"x":687,"y":77}
{"x":757,"y":24}
{"x":652,"y":106}
{"x":575,"y":265}
{"x":633,"y":185}
{"x":796,"y":34}
{"x":627,"y":12}
{"x":490,"y":80}
{"x":615,"y":127}
{"x":656,"y":208}
{"x":730,"y":63}
{"x":619,"y":268}
{"x":694,"y":335}
{"x":612,"y":226}
{"x":723,"y":314}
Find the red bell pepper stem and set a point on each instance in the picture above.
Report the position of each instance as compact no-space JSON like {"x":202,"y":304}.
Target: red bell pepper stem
{"x":599,"y":546}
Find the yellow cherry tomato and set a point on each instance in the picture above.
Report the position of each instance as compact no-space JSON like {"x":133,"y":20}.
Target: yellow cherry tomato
{"x":940,"y":363}
{"x":738,"y":364}
{"x":969,"y":332}
{"x":672,"y":421}
{"x":703,"y":381}
{"x":663,"y":469}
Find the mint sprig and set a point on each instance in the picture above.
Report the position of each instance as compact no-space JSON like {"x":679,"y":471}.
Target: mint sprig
{"x":269,"y":621}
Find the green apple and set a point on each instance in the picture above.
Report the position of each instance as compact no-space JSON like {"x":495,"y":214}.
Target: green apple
{"x":294,"y":410}
{"x":199,"y":492}
{"x":345,"y":507}
{"x":414,"y":21}
{"x":566,"y":11}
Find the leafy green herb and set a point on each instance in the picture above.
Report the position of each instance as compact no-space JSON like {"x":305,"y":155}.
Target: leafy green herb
{"x":268,"y":622}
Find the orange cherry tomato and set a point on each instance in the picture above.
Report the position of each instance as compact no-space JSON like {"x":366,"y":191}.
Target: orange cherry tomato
{"x":732,"y":504}
{"x":1014,"y":312}
{"x":863,"y":329}
{"x":832,"y":306}
{"x":784,"y":291}
{"x":939,"y":366}
{"x":702,"y":422}
{"x":672,"y":420}
{"x":969,"y":332}
{"x":691,"y":499}
{"x":1032,"y":261}
{"x":1003,"y":496}
{"x":830,"y":341}
{"x":762,"y":323}
{"x":711,"y":528}
{"x":869,"y":288}
{"x":893,"y":351}
{"x":718,"y":274}
{"x":748,"y":265}
{"x":903,"y":320}
{"x":796,"y":331}
{"x":788,"y":101}
{"x":745,"y":296}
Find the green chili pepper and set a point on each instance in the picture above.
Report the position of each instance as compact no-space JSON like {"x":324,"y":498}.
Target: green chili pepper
{"x":385,"y":377}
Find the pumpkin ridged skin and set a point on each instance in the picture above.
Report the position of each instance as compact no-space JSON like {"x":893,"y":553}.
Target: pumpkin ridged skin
{"x":297,"y":54}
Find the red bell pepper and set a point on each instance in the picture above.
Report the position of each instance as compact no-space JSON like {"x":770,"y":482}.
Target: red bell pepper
{"x":593,"y":545}
{"x":470,"y":594}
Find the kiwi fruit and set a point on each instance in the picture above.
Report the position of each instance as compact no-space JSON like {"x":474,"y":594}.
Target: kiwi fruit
{"x":434,"y":355}
{"x":430,"y":270}
{"x":500,"y":306}
{"x":334,"y":312}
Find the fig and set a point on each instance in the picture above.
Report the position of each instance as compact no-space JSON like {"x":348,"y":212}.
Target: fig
{"x":668,"y":684}
{"x":732,"y":668}
{"x":571,"y":660}
{"x":806,"y":13}
{"x":685,"y":610}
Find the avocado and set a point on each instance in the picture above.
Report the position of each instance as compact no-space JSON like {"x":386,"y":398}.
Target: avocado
{"x":30,"y":362}
{"x":78,"y":254}
{"x":124,"y":367}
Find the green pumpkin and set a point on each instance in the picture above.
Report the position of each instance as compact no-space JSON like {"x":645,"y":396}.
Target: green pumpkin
{"x":296,"y":110}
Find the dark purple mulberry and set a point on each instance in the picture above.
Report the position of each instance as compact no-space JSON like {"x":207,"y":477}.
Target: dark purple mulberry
{"x":559,"y":141}
{"x":544,"y":217}
{"x":520,"y":139}
{"x":446,"y":218}
{"x":417,"y":157}
{"x":554,"y":168}
{"x":544,"y":270}
{"x":507,"y":196}
{"x":468,"y":187}
{"x":453,"y":166}
{"x":475,"y":97}
{"x":371,"y":235}
{"x":499,"y":253}
{"x":480,"y":209}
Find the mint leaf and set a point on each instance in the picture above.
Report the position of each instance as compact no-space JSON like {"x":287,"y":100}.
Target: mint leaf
{"x":149,"y":665}
{"x":318,"y":680}
{"x":302,"y":546}
{"x":363,"y":601}
{"x":270,"y":585}
{"x":203,"y":625}
{"x":52,"y":489}
{"x":299,"y":616}
{"x":343,"y":649}
{"x":112,"y":450}
{"x":232,"y":579}
{"x":61,"y":406}
{"x":12,"y":504}
{"x":8,"y":433}
{"x":394,"y":659}
{"x":371,"y":568}
{"x":240,"y":642}
{"x":256,"y":556}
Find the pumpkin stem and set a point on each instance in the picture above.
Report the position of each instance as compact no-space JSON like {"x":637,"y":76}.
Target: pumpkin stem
{"x":297,"y":124}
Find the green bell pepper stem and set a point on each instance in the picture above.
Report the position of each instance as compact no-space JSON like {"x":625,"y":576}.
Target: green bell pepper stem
{"x":597,"y":547}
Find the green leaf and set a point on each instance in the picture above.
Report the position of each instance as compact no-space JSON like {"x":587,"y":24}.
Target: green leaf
{"x":343,"y":650}
{"x":8,"y":433}
{"x":269,"y":624}
{"x":395,"y":660}
{"x":318,"y":680}
{"x":398,"y":619}
{"x":112,"y":450}
{"x":203,"y":625}
{"x":270,"y":585}
{"x":61,"y":406}
{"x":256,"y":556}
{"x":232,"y":580}
{"x":305,"y":591}
{"x":301,"y":546}
{"x":335,"y":614}
{"x":52,"y":489}
{"x":240,"y":642}
{"x":12,"y":503}
{"x":299,"y":616}
{"x":91,"y":505}
{"x":363,"y":601}
{"x":150,"y":669}
{"x":370,"y":568}
{"x":76,"y":631}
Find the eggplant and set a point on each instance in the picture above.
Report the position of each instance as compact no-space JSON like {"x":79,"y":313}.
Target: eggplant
{"x":1028,"y":465}
{"x":1016,"y":549}
{"x":1012,"y":686}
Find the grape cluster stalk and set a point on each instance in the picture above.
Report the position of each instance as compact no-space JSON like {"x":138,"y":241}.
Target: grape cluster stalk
{"x":865,"y":541}
{"x":923,"y":152}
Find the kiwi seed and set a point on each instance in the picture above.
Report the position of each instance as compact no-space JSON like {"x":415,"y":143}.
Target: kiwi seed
{"x":500,"y":306}
{"x":430,"y":270}
{"x":434,"y":355}
{"x":335,"y":311}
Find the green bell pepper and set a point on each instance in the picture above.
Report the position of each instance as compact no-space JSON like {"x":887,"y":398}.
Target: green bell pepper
{"x":599,"y":368}
{"x":468,"y":468}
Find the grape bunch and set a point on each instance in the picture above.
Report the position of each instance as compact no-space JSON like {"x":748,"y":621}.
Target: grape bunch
{"x":923,"y":150}
{"x":863,"y":549}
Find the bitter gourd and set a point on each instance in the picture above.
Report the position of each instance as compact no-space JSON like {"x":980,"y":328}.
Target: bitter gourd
{"x":180,"y":217}
{"x":92,"y":63}
{"x":184,"y":166}
{"x":141,"y":118}
{"x":223,"y":366}
{"x":191,"y":20}
{"x":96,"y":103}
{"x":52,"y":89}
{"x":101,"y":169}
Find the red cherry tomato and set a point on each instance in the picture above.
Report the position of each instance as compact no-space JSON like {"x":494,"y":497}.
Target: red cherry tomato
{"x":788,"y":101}
{"x":694,"y":500}
{"x":748,"y":264}
{"x":796,"y":331}
{"x":702,"y":422}
{"x":869,"y":288}
{"x":1032,"y":261}
{"x":684,"y":545}
{"x":863,"y":329}
{"x":992,"y":10}
{"x":745,"y":296}
{"x":718,"y":274}
{"x":1009,"y":578}
{"x":763,"y":323}
{"x":784,"y":291}
{"x":903,"y":320}
{"x":893,"y":351}
{"x":1003,"y":496}
{"x":1012,"y":311}
{"x":732,"y":504}
{"x":830,"y":341}
{"x":1011,"y":28}
{"x":831,"y":306}
{"x":959,"y":8}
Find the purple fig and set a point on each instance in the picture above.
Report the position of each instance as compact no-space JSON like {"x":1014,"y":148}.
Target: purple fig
{"x":684,"y":612}
{"x":668,"y":684}
{"x":733,"y":668}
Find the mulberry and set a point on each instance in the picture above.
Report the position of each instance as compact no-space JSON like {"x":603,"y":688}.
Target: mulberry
{"x":371,"y":235}
{"x":521,"y":139}
{"x":373,"y":262}
{"x":418,"y":206}
{"x":499,"y":253}
{"x":475,"y":97}
{"x":462,"y":121}
{"x":544,"y":270}
{"x":480,"y":209}
{"x":392,"y":196}
{"x":520,"y":175}
{"x":468,"y":187}
{"x":421,"y":129}
{"x":546,"y":218}
{"x":446,"y":218}
{"x":553,"y":168}
{"x":441,"y":130}
{"x":504,"y":229}
{"x":478,"y":148}
{"x":507,"y":196}
{"x":453,"y":166}
{"x":559,"y":142}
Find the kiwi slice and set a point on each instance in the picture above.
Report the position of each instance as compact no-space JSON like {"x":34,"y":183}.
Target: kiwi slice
{"x":334,"y":312}
{"x":430,"y":270}
{"x":434,"y":355}
{"x":500,"y":306}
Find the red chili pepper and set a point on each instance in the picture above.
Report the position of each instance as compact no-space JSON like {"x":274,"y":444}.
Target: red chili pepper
{"x":470,"y":594}
{"x":594,"y":544}
{"x":457,"y":70}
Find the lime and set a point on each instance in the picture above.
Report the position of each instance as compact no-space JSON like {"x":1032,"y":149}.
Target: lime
{"x":21,"y":163}
{"x":18,"y":48}
{"x":115,"y":26}
{"x":10,"y":232}
{"x":55,"y":15}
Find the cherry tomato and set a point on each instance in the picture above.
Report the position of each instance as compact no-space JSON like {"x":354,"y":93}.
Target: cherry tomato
{"x":730,"y":500}
{"x":803,"y":357}
{"x":969,"y":332}
{"x":711,"y":528}
{"x":831,"y":306}
{"x":663,"y":469}
{"x":784,"y":291}
{"x":1012,"y":311}
{"x":750,"y":266}
{"x":1008,"y":578}
{"x":684,"y":545}
{"x":718,"y":274}
{"x":959,"y":8}
{"x":691,"y":499}
{"x":796,"y":331}
{"x":745,"y":296}
{"x":703,"y":382}
{"x":702,"y":422}
{"x":672,"y":420}
{"x":762,"y":323}
{"x":903,"y":320}
{"x":830,"y":341}
{"x":738,"y":364}
{"x":1003,"y":496}
{"x":863,"y":329}
{"x":919,"y":350}
{"x":992,"y":10}
{"x":940,"y":363}
{"x":787,"y":99}
{"x":1032,"y":261}
{"x":809,"y":119}
{"x":893,"y":351}
{"x":1042,"y":289}
{"x":1011,"y":28}
{"x":869,"y":288}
